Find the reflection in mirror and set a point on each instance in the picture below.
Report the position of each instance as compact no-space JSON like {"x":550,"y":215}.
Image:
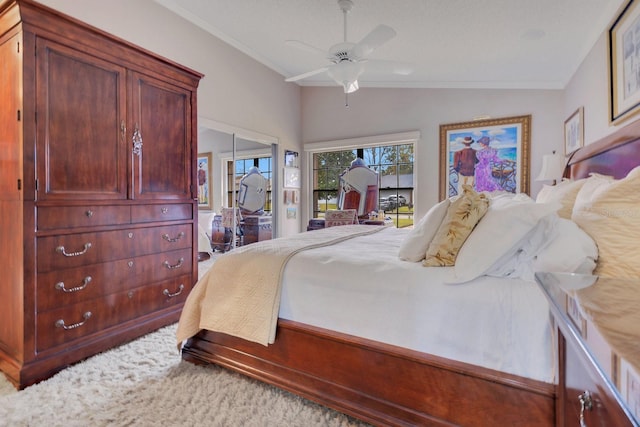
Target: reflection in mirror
{"x":236,"y":156}
{"x":252,"y":192}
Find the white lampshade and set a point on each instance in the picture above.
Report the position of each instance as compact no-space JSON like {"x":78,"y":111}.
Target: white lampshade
{"x":552,"y":168}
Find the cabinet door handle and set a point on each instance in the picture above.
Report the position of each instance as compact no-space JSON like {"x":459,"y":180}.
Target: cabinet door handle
{"x":123,"y":130}
{"x":137,"y":141}
{"x":170,"y":295}
{"x":171,"y":267}
{"x":175,"y":239}
{"x":60,"y":285}
{"x":586,"y":403}
{"x":60,"y":322}
{"x":60,"y":249}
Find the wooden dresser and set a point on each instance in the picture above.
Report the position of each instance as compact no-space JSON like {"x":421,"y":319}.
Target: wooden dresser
{"x":598,"y":324}
{"x":98,"y":221}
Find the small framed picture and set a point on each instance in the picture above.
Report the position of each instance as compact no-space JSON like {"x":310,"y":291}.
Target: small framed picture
{"x":574,"y":132}
{"x":629,"y":386}
{"x":576,"y":316}
{"x":204,"y":181}
{"x":291,"y":177}
{"x":291,"y":159}
{"x":624,"y":57}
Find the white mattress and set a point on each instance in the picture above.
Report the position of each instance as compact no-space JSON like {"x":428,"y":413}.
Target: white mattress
{"x":361,"y":287}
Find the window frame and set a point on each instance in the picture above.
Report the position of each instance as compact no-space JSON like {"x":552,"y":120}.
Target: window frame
{"x":310,"y":149}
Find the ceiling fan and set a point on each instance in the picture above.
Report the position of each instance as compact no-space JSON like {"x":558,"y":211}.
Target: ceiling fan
{"x":350,"y":60}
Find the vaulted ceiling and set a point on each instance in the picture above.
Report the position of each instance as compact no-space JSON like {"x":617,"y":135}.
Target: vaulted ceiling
{"x":536,"y":44}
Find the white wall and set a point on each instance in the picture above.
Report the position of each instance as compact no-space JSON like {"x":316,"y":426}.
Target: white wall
{"x":589,"y":88}
{"x":236,"y":90}
{"x":383,"y":111}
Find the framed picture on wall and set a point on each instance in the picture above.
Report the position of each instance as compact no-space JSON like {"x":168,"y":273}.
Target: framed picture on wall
{"x":624,"y":64}
{"x":574,"y":132}
{"x":488,"y":155}
{"x":629,"y":386}
{"x":204,"y":181}
{"x":291,"y":177}
{"x":291,"y":159}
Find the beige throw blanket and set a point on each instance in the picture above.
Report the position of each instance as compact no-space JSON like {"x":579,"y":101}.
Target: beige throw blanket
{"x":240,"y":294}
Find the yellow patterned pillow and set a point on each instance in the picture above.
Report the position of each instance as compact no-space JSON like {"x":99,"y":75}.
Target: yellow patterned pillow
{"x":462,"y":216}
{"x":609,"y":211}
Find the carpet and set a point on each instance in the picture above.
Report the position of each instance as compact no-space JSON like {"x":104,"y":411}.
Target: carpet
{"x":145,"y":383}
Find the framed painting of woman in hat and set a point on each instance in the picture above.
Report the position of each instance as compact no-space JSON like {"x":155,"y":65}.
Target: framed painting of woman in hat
{"x":204,"y":181}
{"x":489,"y":155}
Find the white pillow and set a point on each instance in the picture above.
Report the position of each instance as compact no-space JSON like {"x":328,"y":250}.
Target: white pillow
{"x":415,"y":244}
{"x":571,"y":250}
{"x":565,"y":192}
{"x":498,"y":233}
{"x":517,"y":261}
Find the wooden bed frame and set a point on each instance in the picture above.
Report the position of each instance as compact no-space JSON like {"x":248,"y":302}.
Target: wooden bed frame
{"x":388,"y":385}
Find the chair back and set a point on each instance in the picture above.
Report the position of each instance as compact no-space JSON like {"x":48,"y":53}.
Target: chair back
{"x":333,"y":218}
{"x":359,"y":188}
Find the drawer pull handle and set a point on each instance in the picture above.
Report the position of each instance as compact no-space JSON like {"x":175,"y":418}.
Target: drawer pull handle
{"x":164,"y":210}
{"x":85,"y":282}
{"x":170,"y":295}
{"x":172,"y":267}
{"x":89,"y":213}
{"x":60,"y":323}
{"x":586,"y":403}
{"x":175,"y":239}
{"x":61,"y":250}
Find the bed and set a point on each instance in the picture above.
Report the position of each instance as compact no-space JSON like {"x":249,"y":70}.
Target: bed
{"x":363,"y":366}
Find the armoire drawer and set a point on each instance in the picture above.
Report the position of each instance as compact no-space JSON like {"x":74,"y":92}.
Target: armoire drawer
{"x":164,"y":212}
{"x":50,"y":217}
{"x":65,"y":324}
{"x":59,"y":288}
{"x":74,"y":250}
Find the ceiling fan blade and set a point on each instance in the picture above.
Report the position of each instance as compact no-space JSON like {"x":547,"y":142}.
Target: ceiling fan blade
{"x":307,"y":47}
{"x":307,"y":74}
{"x":376,"y":38}
{"x":387,"y":67}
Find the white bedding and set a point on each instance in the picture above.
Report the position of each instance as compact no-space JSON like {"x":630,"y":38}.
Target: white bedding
{"x":497,"y":323}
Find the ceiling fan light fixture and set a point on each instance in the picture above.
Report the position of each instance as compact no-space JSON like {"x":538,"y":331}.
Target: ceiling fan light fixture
{"x":350,"y":87}
{"x":346,"y":74}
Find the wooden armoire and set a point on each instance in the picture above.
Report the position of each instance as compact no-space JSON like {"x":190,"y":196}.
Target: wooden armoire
{"x":98,"y":209}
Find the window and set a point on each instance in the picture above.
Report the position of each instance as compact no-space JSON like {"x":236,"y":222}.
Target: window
{"x":394,"y":164}
{"x":242,"y":167}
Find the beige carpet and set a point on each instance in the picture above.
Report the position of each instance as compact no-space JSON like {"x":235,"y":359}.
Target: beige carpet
{"x":145,"y":383}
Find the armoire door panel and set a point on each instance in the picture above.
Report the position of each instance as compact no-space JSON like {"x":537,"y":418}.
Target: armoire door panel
{"x":81,"y":108}
{"x":161,"y":116}
{"x":10,"y":152}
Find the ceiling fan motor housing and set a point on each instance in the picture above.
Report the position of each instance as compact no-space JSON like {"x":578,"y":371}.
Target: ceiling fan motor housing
{"x":340,"y":52}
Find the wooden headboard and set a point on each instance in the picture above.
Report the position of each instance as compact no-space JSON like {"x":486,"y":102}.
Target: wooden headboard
{"x":614,"y":155}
